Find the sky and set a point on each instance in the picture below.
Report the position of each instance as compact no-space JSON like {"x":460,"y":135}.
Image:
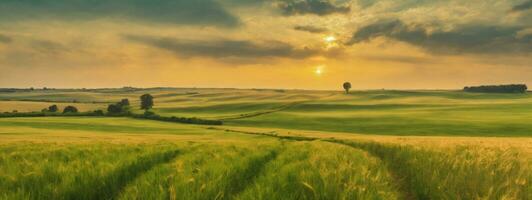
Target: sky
{"x":293,"y":44}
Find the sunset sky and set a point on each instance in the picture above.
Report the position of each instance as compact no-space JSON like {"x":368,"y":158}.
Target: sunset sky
{"x":308,"y":44}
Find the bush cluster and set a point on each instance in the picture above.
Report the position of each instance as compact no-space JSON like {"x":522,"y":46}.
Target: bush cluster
{"x":120,"y":108}
{"x":513,"y":88}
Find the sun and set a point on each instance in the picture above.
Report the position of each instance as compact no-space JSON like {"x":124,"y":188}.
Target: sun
{"x":319,"y":70}
{"x":330,"y":39}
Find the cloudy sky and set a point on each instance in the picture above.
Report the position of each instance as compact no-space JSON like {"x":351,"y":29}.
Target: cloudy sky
{"x":310,"y":44}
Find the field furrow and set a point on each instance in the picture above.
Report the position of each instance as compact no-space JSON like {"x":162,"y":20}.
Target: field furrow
{"x":208,"y":172}
{"x":109,"y":186}
{"x":318,"y":170}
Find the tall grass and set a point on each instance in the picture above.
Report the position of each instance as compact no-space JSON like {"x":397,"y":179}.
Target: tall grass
{"x":208,"y":172}
{"x":463,"y":172}
{"x":92,"y":171}
{"x":317,"y":170}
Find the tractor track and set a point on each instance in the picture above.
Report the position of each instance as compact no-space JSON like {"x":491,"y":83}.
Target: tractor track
{"x":400,"y":180}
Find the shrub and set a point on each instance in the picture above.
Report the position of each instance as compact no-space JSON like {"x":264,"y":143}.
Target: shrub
{"x":123,"y":102}
{"x":193,"y":120}
{"x":149,"y":113}
{"x":98,"y":112}
{"x":70,"y":109}
{"x":53,"y":108}
{"x":114,"y":109}
{"x":120,"y":108}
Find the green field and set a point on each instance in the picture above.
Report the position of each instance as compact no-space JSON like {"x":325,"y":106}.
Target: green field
{"x":274,"y":144}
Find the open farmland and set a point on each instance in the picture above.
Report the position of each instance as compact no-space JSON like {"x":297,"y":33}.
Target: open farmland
{"x":274,"y":144}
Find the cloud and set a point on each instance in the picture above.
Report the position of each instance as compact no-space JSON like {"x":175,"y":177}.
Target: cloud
{"x":5,"y":39}
{"x":177,"y":12}
{"x":222,"y":49}
{"x":49,"y":47}
{"x":243,"y":2}
{"x":310,"y":29}
{"x":523,"y":6}
{"x":398,"y":58}
{"x":467,"y":38}
{"x":316,"y":7}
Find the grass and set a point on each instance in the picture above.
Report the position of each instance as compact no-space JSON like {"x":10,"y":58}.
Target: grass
{"x":364,"y":112}
{"x":51,"y":171}
{"x":273,"y":145}
{"x":462,"y":172}
{"x":206,"y":172}
{"x":317,"y":170}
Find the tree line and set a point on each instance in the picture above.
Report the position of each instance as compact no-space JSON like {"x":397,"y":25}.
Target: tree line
{"x":512,"y":88}
{"x":121,"y":108}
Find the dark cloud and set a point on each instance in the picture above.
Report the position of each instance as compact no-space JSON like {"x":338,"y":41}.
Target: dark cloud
{"x":224,"y":48}
{"x":310,"y":29}
{"x":243,"y":2}
{"x":189,"y":12}
{"x":400,"y":59}
{"x":5,"y":39}
{"x":316,"y":7}
{"x":469,"y":38}
{"x":523,"y":6}
{"x":48,"y":47}
{"x":366,"y":3}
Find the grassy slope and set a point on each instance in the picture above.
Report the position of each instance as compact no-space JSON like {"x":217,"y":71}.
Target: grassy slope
{"x":407,"y":113}
{"x":366,"y":112}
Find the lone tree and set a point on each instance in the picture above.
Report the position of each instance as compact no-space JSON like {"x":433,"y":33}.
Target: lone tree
{"x":53,"y":108}
{"x":146,"y":101}
{"x":70,"y":109}
{"x":347,"y":86}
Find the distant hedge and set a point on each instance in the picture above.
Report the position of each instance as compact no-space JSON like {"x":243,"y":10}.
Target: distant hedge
{"x":50,"y":114}
{"x":185,"y":120}
{"x":513,"y":88}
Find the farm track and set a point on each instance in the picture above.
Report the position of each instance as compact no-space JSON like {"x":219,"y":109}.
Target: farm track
{"x":243,"y":179}
{"x":278,"y":109}
{"x":401,"y":180}
{"x":259,"y":113}
{"x":110,"y":186}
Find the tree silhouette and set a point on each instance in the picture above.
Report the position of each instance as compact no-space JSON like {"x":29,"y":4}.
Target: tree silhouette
{"x":146,"y":101}
{"x":124,"y":102}
{"x":513,"y":88}
{"x":114,"y":109}
{"x":70,"y":109}
{"x":53,"y":108}
{"x":347,"y":86}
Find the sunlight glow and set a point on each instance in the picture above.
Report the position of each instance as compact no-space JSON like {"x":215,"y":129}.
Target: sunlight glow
{"x":330,"y":39}
{"x":319,"y":70}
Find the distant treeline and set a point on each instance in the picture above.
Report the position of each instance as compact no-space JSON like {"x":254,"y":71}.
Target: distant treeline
{"x":97,"y":113}
{"x":513,"y":88}
{"x":52,"y":114}
{"x":118,"y":109}
{"x":186,"y":120}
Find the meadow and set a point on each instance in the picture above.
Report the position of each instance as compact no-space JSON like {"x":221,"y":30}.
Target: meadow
{"x":274,"y":144}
